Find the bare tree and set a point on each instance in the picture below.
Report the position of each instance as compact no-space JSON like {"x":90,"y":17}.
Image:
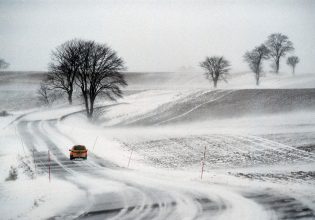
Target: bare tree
{"x":46,"y":94}
{"x":64,"y":66}
{"x":216,"y":68}
{"x":3,"y":64}
{"x":279,"y":45}
{"x":99,"y":73}
{"x":255,"y":58}
{"x":292,"y":61}
{"x":43,"y":94}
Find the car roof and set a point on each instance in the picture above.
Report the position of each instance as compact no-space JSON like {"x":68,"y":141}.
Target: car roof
{"x":78,"y":146}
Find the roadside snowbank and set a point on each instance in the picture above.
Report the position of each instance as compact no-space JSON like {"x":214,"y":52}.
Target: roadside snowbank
{"x":26,"y":197}
{"x":37,"y":198}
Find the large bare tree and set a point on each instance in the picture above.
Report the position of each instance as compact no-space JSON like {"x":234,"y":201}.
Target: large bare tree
{"x":64,"y":67}
{"x":279,"y":45}
{"x":216,"y":68}
{"x":292,"y":61}
{"x":99,"y":73}
{"x":3,"y":64}
{"x":255,"y":58}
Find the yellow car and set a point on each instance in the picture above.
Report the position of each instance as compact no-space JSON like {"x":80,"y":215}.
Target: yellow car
{"x":78,"y":151}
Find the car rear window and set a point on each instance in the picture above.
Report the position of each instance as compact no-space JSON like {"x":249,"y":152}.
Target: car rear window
{"x":79,"y":147}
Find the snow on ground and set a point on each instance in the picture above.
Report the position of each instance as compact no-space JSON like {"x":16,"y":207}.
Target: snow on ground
{"x":258,"y":166}
{"x":137,"y":105}
{"x":241,"y":141}
{"x":37,"y":199}
{"x":255,"y":152}
{"x":148,"y":175}
{"x":175,"y":154}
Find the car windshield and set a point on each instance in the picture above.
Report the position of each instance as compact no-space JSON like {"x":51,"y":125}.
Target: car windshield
{"x":79,"y":147}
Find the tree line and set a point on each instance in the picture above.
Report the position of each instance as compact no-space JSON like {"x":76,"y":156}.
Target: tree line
{"x":275,"y":48}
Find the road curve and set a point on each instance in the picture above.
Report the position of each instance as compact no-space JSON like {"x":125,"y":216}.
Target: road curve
{"x":152,"y":199}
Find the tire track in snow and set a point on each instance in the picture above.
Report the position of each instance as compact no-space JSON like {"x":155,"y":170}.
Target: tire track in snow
{"x":285,"y":207}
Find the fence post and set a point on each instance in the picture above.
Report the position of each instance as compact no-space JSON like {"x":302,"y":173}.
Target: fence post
{"x":130,"y":157}
{"x":34,"y":160}
{"x":94,"y":143}
{"x":203,"y":162}
{"x":49,"y":165}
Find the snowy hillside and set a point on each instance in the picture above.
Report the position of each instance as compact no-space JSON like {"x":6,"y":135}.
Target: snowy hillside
{"x":146,"y":152}
{"x":190,"y":106}
{"x":21,"y":86}
{"x":242,"y":80}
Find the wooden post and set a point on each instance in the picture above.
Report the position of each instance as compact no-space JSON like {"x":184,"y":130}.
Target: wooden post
{"x":49,"y":165}
{"x":94,"y":143}
{"x":34,"y":159}
{"x":130,"y":157}
{"x":203,"y":162}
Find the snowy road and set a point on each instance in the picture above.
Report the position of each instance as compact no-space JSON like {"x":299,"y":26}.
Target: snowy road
{"x":144,"y":196}
{"x":137,"y":202}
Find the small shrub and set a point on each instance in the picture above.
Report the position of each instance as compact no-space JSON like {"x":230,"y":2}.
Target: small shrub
{"x":13,"y":174}
{"x":35,"y":203}
{"x":4,"y":113}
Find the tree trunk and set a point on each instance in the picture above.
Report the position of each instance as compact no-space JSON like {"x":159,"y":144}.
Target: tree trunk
{"x":215,"y":82}
{"x":293,"y":70}
{"x":91,"y":107}
{"x":70,"y":97}
{"x":257,"y":79}
{"x":277,"y":65}
{"x":86,"y":102}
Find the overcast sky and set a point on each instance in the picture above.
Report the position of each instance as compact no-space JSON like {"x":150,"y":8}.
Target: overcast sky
{"x":160,"y":35}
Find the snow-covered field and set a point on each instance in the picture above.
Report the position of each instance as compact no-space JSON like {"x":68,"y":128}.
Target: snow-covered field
{"x":146,"y":152}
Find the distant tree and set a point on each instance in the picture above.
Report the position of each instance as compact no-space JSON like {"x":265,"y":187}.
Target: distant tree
{"x":64,"y":67}
{"x":99,"y":73}
{"x":43,"y":94}
{"x":216,"y":67}
{"x":46,"y":94}
{"x":3,"y":64}
{"x":279,"y":45}
{"x":292,"y":61}
{"x":13,"y":174}
{"x":255,"y":58}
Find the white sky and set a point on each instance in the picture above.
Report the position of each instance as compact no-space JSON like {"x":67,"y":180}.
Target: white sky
{"x":160,"y":35}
